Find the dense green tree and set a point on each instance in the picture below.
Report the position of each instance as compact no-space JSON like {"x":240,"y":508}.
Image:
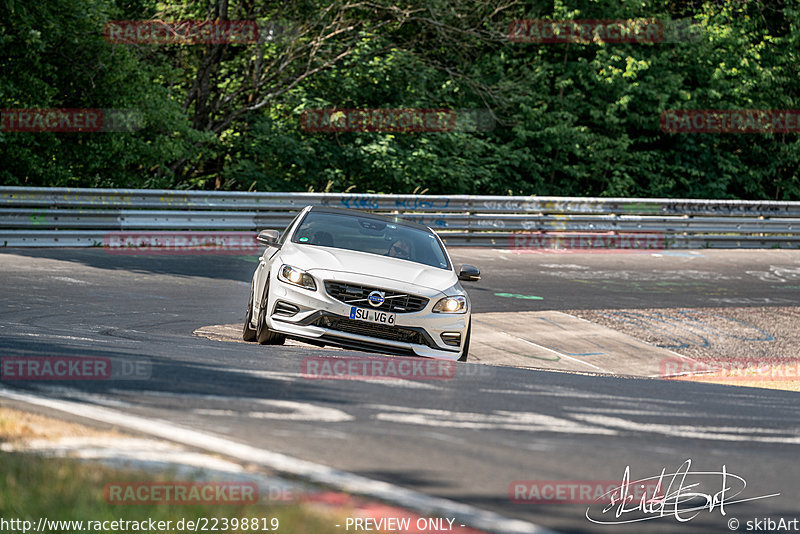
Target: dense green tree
{"x":569,"y":118}
{"x":53,"y":55}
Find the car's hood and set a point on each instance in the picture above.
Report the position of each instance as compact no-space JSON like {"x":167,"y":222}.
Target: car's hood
{"x":313,"y":257}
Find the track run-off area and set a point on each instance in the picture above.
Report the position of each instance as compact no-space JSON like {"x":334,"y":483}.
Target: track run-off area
{"x":582,"y":365}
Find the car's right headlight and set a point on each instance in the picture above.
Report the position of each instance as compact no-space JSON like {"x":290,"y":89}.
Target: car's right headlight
{"x":296,"y":277}
{"x":457,"y":304}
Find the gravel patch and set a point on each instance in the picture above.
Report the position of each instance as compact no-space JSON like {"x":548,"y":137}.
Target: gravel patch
{"x":754,"y":346}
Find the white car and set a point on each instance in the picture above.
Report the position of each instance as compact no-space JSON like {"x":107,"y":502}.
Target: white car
{"x":363,"y":281}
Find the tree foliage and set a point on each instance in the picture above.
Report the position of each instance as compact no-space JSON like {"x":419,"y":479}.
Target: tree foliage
{"x":577,"y":118}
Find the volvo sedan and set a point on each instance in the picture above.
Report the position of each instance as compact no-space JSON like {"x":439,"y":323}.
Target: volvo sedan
{"x":363,"y":281}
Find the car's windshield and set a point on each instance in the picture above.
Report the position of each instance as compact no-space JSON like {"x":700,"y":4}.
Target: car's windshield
{"x":365,"y":234}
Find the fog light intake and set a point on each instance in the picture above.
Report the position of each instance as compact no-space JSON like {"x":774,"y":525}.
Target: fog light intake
{"x":451,"y":338}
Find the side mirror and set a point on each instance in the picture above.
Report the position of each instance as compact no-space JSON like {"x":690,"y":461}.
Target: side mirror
{"x":469,"y":273}
{"x":269,"y":237}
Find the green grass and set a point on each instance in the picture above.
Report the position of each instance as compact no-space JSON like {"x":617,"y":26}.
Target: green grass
{"x":62,"y":489}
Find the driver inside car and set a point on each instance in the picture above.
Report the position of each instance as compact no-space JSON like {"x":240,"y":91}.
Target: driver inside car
{"x":400,"y":249}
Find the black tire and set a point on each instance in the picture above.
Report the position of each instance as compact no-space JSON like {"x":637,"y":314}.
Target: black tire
{"x":248,"y":332}
{"x":264,"y":335}
{"x":465,"y":350}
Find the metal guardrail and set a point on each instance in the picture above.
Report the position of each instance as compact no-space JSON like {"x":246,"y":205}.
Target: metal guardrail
{"x":46,"y":217}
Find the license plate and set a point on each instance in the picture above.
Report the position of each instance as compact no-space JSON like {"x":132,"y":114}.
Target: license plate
{"x":372,"y":316}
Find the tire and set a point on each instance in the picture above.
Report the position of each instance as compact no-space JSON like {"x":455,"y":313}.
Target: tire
{"x":465,"y":350}
{"x":248,"y":332}
{"x":264,"y":335}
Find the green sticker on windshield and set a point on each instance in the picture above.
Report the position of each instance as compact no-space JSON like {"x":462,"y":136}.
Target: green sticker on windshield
{"x":303,"y":239}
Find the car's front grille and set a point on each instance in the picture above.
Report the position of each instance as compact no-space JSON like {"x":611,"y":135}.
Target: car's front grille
{"x":351,"y":326}
{"x":356,"y":295}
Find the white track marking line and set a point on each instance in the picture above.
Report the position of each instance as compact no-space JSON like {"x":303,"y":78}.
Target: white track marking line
{"x":318,"y":473}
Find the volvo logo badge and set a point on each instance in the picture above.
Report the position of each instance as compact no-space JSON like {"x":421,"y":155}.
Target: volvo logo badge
{"x":375,"y":298}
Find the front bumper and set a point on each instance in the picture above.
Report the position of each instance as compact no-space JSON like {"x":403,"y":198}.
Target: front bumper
{"x":324,"y":319}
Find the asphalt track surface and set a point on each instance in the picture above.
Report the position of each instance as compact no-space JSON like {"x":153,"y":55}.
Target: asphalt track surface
{"x":468,"y":438}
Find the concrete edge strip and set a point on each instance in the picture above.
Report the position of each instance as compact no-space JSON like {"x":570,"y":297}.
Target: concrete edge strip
{"x":318,"y":473}
{"x":676,"y":355}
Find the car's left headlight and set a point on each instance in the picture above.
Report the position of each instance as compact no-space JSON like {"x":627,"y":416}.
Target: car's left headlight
{"x":456,"y":304}
{"x":296,"y":277}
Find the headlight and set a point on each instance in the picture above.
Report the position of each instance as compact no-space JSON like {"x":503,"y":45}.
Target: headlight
{"x":451,"y":305}
{"x":296,"y":277}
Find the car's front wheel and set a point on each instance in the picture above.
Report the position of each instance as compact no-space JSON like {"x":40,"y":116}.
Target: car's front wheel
{"x":248,"y":332}
{"x":465,"y":350}
{"x":264,"y":335}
